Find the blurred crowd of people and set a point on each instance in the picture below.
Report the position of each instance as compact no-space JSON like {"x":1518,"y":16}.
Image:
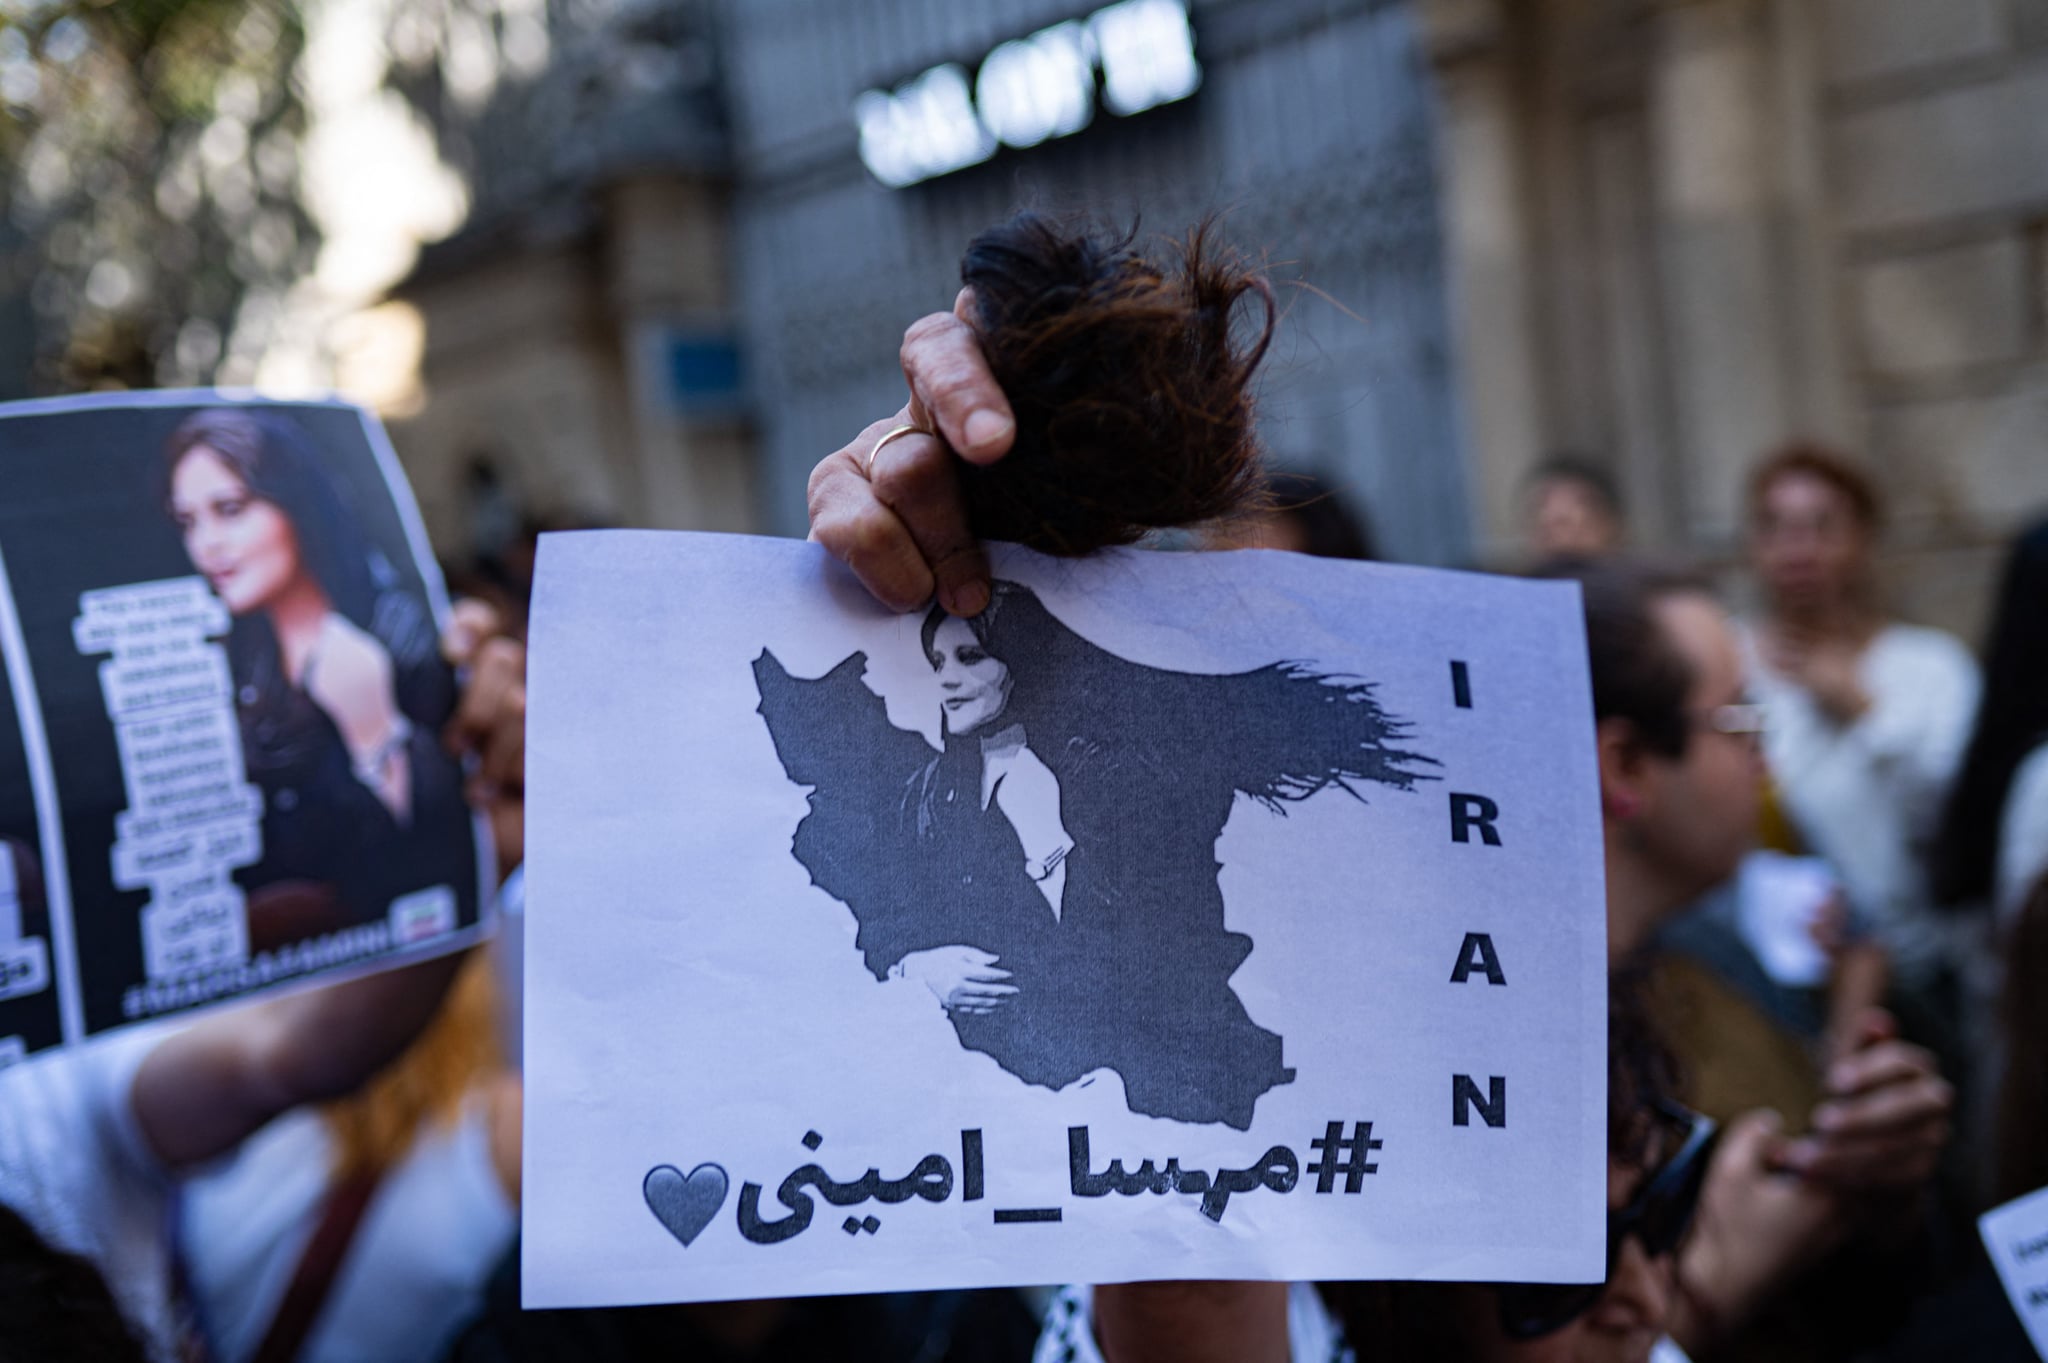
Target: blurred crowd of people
{"x":1826,"y":841}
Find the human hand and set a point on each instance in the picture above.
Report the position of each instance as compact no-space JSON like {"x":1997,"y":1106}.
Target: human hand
{"x":490,"y":722}
{"x":1828,"y":669}
{"x":1831,"y":673}
{"x":964,"y":979}
{"x":901,"y":525}
{"x":204,"y":1089}
{"x":1885,"y":1118}
{"x":1756,"y":1229}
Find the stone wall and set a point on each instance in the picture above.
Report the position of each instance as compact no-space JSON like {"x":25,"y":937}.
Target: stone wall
{"x":1682,"y":231}
{"x":1936,"y":122}
{"x":545,"y":359}
{"x":596,"y":250}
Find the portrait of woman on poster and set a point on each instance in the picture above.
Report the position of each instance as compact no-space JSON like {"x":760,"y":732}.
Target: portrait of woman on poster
{"x":1050,"y":875}
{"x":339,"y":686}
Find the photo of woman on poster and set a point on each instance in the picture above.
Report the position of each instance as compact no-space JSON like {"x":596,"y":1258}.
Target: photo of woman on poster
{"x":1051,"y":874}
{"x":339,"y":688}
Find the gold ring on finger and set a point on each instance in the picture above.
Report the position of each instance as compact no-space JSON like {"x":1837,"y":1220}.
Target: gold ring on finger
{"x":868,"y":469}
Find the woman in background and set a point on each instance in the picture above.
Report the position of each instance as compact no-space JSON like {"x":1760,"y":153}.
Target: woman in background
{"x":1868,"y":716}
{"x":367,"y":1229}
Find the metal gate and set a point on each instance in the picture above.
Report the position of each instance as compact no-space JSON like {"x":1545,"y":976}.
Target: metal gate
{"x":1310,"y":134}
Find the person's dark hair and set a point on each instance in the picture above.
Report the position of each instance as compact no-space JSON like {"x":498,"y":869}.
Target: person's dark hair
{"x":277,"y":461}
{"x":55,"y":1307}
{"x":1128,"y":377}
{"x":1642,"y":1071}
{"x":2019,"y":1145}
{"x":2012,"y":720}
{"x":1807,"y":459}
{"x":1638,"y":673}
{"x":1436,"y":1320}
{"x":1298,"y":729}
{"x":1586,"y":472}
{"x":1330,"y":527}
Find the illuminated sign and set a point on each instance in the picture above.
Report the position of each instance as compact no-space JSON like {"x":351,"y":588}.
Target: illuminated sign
{"x":1029,"y":90}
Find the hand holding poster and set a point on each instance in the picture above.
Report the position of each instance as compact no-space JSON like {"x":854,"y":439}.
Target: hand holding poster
{"x":224,"y":701}
{"x":1178,"y":916}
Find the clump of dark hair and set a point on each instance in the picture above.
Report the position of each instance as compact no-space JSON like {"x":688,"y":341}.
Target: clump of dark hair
{"x":1128,"y":378}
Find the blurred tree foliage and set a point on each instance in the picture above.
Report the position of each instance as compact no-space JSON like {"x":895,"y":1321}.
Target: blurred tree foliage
{"x":154,"y":216}
{"x":152,"y":211}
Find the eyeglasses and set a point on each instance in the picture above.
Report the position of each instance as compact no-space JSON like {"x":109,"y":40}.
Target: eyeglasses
{"x":1744,"y":719}
{"x":1658,"y":1216}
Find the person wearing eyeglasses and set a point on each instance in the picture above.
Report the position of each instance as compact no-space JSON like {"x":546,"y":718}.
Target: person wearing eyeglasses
{"x":1681,"y":773}
{"x":1870,"y":716}
{"x":1680,"y":811}
{"x":1658,"y":1161}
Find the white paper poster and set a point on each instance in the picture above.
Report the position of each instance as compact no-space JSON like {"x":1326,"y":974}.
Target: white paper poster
{"x":220,"y":759}
{"x":2016,"y":1236}
{"x":1183,"y":915}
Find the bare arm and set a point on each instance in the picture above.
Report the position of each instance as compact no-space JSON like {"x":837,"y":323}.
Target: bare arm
{"x":1192,"y":1322}
{"x":206,"y":1089}
{"x":209,"y":1087}
{"x":1885,"y":1119}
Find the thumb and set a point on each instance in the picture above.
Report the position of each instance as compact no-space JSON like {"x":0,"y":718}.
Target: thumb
{"x":1753,"y":1139}
{"x":1875,"y":1026}
{"x":470,"y":623}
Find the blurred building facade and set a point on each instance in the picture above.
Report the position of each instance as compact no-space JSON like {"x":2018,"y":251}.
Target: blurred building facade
{"x":1682,"y":231}
{"x":581,"y":356}
{"x":560,"y":321}
{"x":1671,"y":233}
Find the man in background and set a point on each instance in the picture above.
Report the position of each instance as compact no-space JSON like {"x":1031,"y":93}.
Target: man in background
{"x":1573,"y":510}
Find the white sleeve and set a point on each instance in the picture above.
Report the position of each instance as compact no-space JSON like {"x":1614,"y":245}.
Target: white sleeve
{"x":1923,"y":703}
{"x":1068,"y":1335}
{"x":73,"y":1161}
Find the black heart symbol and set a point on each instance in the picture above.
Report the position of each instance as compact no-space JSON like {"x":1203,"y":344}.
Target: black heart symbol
{"x":685,"y":1203}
